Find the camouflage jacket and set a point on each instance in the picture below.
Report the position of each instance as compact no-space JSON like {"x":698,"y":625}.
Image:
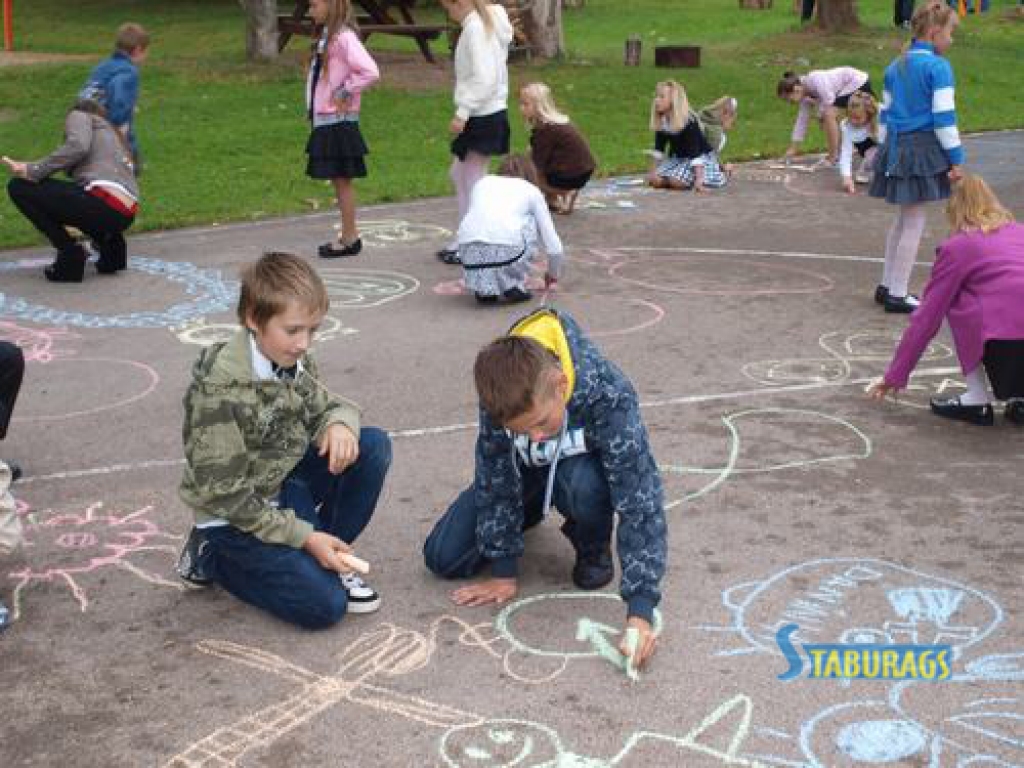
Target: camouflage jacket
{"x":604,"y":405}
{"x":243,"y":436}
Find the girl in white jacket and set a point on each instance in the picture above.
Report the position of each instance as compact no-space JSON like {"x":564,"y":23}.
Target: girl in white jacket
{"x":480,"y":125}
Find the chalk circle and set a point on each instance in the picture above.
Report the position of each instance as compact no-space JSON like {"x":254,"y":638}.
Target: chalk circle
{"x":862,"y":733}
{"x":881,"y":741}
{"x":502,"y":744}
{"x":361,"y":288}
{"x":608,"y":601}
{"x":204,"y":334}
{"x":718,"y":275}
{"x":212,"y":294}
{"x":387,"y":231}
{"x":42,"y":403}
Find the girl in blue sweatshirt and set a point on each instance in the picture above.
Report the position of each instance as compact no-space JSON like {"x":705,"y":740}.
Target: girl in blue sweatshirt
{"x":921,"y":152}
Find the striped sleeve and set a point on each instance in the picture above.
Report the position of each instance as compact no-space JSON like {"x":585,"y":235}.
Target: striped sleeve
{"x":944,"y":112}
{"x":883,"y":115}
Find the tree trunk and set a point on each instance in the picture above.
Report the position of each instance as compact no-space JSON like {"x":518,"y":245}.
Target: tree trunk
{"x":260,"y":29}
{"x":837,"y":15}
{"x":542,"y":25}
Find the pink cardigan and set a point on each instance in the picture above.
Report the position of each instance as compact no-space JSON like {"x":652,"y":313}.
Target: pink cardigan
{"x":821,"y":88}
{"x":349,"y":66}
{"x":977,"y":284}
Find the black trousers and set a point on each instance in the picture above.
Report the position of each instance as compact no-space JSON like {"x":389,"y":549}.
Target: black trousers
{"x":807,"y":10}
{"x":902,"y":12}
{"x":52,"y":205}
{"x":12,"y":368}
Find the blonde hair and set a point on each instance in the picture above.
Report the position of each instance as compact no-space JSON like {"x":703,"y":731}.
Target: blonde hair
{"x":724,"y":105}
{"x":867,"y":102}
{"x":545,"y":110}
{"x":339,"y":17}
{"x":931,"y":14}
{"x":679,"y":111}
{"x":973,"y":206}
{"x":519,"y":166}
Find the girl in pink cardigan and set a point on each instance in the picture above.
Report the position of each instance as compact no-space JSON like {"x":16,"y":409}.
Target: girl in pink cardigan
{"x":340,"y":70}
{"x":977,"y":285}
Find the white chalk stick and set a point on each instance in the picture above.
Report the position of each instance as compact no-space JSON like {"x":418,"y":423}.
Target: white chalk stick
{"x":355,"y":563}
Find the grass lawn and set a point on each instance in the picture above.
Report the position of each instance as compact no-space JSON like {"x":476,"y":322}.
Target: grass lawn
{"x":223,"y":139}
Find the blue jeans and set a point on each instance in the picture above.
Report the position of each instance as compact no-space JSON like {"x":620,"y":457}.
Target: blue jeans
{"x":580,"y":494}
{"x":289,"y":582}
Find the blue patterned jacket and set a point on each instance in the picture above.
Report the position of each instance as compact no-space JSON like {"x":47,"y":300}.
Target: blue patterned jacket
{"x":605,"y":405}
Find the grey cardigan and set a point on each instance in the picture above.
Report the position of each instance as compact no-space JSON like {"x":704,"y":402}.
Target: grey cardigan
{"x":92,"y":151}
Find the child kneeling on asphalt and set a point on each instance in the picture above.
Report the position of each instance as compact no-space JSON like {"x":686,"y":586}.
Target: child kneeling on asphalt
{"x":558,"y":421}
{"x":278,"y":472}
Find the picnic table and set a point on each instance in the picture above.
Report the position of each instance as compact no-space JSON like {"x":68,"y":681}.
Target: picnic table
{"x":375,"y":18}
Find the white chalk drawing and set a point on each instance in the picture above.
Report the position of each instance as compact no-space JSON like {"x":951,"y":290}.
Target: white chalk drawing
{"x":843,"y":350}
{"x":360,"y":288}
{"x":615,"y":194}
{"x":527,"y":744}
{"x":845,"y":600}
{"x":204,"y":333}
{"x":385,"y":232}
{"x":850,"y":444}
{"x":65,"y":547}
{"x":212,"y":294}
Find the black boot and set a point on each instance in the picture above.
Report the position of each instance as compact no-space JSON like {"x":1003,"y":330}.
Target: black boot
{"x":113,"y":254}
{"x":68,"y":267}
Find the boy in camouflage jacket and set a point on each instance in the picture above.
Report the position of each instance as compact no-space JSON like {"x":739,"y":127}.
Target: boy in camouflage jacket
{"x":278,"y":473}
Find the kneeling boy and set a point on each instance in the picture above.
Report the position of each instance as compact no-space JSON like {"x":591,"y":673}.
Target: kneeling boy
{"x":557,"y":421}
{"x":278,"y":472}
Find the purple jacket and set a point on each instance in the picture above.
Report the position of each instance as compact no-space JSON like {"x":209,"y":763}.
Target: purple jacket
{"x":977,"y":283}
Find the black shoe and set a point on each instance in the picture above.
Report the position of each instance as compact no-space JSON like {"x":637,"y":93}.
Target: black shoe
{"x":1014,"y":413}
{"x":517,"y":295}
{"x":881,"y":294}
{"x":593,"y":568}
{"x":336,"y":250}
{"x":16,"y":471}
{"x":950,"y":408}
{"x":483,"y":298}
{"x":113,"y":254}
{"x":193,"y":559}
{"x":449,"y":256}
{"x":68,"y":267}
{"x":902,"y":305}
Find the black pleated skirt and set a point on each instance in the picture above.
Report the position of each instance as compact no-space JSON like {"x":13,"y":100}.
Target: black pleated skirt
{"x":336,"y":152}
{"x":486,"y":135}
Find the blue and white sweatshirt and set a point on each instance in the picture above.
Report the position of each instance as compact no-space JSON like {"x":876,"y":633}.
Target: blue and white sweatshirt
{"x":114,"y":83}
{"x":604,"y":406}
{"x":918,"y":96}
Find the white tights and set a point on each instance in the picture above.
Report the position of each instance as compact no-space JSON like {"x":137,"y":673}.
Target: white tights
{"x":464,"y":175}
{"x":901,"y":247}
{"x":977,"y":388}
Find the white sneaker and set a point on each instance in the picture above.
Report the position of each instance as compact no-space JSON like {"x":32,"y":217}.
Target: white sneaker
{"x":862,"y":177}
{"x":361,"y":597}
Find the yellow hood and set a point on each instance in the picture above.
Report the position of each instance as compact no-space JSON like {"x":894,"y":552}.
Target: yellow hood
{"x":544,"y":327}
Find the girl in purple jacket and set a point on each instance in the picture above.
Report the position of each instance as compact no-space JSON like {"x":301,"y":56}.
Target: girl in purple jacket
{"x":976,"y":284}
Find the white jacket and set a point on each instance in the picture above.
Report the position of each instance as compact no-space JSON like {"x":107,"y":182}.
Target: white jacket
{"x":10,"y":526}
{"x":481,"y":65}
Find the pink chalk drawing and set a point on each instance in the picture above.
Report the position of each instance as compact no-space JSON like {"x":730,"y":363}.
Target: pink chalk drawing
{"x":86,"y":543}
{"x":37,"y":345}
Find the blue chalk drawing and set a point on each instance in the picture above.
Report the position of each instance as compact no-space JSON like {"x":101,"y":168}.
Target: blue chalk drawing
{"x":843,"y":599}
{"x":881,"y":741}
{"x":212,"y":294}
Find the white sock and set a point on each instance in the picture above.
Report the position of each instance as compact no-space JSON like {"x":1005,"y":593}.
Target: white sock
{"x":977,"y":388}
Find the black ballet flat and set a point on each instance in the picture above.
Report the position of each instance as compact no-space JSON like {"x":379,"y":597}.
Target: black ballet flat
{"x":951,"y":408}
{"x":337,"y":251}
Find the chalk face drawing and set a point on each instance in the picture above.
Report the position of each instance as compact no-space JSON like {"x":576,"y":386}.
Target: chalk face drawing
{"x":211,"y":293}
{"x":779,"y":439}
{"x":37,"y":345}
{"x":80,"y":544}
{"x":854,"y":600}
{"x":204,"y":333}
{"x":385,"y":232}
{"x":360,"y":288}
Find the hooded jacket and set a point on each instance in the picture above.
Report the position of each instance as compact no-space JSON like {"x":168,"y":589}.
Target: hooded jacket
{"x":603,"y":403}
{"x":243,"y":436}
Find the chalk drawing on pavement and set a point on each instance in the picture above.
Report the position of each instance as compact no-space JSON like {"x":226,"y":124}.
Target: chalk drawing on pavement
{"x":361,"y":288}
{"x":384,"y":232}
{"x":211,"y":294}
{"x":808,"y":437}
{"x":204,"y":333}
{"x":65,"y":547}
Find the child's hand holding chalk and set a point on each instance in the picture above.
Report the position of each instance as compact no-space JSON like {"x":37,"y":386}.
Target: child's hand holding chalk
{"x":637,"y":645}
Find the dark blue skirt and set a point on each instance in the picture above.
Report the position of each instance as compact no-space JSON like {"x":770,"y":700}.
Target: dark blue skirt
{"x":911,"y":168}
{"x":486,"y":135}
{"x":336,"y":152}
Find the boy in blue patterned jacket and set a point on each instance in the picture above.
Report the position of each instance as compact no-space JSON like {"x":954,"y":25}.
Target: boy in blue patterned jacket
{"x":558,"y":421}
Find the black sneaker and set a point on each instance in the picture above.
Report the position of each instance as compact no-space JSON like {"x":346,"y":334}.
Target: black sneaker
{"x":449,"y":256}
{"x":361,"y":597}
{"x":16,"y":470}
{"x":1014,"y":412}
{"x":981,"y":415}
{"x":483,"y":298}
{"x":593,"y":568}
{"x":517,"y":295}
{"x":192,"y":560}
{"x":881,"y":294}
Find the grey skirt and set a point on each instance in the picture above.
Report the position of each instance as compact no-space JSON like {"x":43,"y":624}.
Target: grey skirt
{"x":491,"y":269}
{"x":911,"y":168}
